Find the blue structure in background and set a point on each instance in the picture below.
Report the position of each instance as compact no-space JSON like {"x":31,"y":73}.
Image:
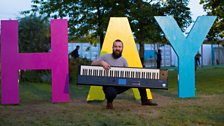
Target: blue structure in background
{"x":86,"y":50}
{"x":92,"y":52}
{"x":149,"y":54}
{"x":186,"y":48}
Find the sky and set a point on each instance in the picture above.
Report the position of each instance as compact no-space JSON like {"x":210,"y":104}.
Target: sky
{"x":10,"y":9}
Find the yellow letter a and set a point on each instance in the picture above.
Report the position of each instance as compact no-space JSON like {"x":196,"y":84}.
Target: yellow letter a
{"x":119,"y":28}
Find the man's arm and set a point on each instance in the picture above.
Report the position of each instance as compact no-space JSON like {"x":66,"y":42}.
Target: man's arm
{"x":102,"y":63}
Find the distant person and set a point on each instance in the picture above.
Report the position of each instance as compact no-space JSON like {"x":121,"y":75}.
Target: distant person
{"x":159,"y":59}
{"x":75,"y":53}
{"x":197,"y":60}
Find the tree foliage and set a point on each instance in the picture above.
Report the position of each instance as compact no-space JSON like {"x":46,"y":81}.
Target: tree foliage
{"x":34,"y":34}
{"x":179,"y":10}
{"x":145,"y":27}
{"x":215,"y":8}
{"x":88,"y":19}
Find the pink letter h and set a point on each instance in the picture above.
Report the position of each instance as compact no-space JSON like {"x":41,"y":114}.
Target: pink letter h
{"x":12,"y":61}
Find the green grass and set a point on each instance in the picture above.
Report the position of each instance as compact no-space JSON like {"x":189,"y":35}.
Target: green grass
{"x":210,"y":80}
{"x":206,"y":109}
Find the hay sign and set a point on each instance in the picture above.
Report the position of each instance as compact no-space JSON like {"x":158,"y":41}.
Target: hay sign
{"x":57,"y":60}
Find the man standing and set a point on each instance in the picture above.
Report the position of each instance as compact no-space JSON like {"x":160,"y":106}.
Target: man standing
{"x":197,"y":60}
{"x":159,"y":58}
{"x":75,"y":53}
{"x":116,"y":59}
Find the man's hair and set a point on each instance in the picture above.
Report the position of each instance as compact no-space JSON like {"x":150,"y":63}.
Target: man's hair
{"x":118,"y":40}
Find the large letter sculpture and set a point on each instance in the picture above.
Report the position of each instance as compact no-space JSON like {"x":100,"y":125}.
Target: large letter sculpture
{"x":119,"y":28}
{"x":186,"y":48}
{"x":12,"y":61}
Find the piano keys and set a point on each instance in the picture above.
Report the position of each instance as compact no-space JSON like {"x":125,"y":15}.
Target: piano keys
{"x":123,"y":76}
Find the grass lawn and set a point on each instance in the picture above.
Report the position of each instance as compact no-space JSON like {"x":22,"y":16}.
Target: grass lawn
{"x":206,"y":109}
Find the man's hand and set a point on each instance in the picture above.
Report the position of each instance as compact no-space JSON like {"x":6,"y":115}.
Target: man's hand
{"x":102,"y":63}
{"x":105,"y":65}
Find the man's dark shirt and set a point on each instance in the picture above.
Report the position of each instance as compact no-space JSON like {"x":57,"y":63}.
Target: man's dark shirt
{"x":75,"y":53}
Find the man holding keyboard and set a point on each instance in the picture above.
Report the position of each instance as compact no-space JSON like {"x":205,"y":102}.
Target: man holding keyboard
{"x":116,"y":59}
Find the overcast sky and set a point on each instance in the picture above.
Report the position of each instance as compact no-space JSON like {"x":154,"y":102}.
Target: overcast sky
{"x":10,"y":9}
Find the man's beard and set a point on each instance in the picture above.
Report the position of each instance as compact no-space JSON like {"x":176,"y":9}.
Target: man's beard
{"x":116,"y":56}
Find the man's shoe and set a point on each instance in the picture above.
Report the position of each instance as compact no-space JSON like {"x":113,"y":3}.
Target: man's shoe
{"x":149,"y":102}
{"x":109,"y":106}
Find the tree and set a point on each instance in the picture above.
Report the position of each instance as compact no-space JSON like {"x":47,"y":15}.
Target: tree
{"x":179,"y":10}
{"x":34,"y":34}
{"x":216,"y":8}
{"x":145,"y":27}
{"x":89,"y":18}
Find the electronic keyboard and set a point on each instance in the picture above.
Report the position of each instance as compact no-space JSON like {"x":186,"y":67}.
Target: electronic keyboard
{"x":123,"y":76}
